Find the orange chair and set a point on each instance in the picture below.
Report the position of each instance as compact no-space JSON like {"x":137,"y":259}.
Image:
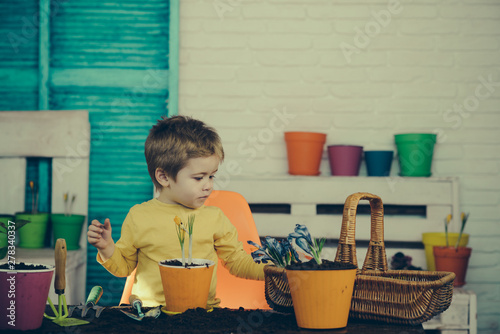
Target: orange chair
{"x":233,"y":291}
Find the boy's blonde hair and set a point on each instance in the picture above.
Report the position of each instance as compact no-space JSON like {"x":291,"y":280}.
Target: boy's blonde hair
{"x":174,"y":140}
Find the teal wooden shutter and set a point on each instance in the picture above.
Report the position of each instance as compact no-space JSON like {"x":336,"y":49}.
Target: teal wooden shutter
{"x":112,"y":58}
{"x":19,"y":55}
{"x":117,"y":59}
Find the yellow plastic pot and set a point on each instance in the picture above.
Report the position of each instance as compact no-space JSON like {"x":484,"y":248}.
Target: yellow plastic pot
{"x":431,"y":239}
{"x":186,"y":288}
{"x":321,"y":298}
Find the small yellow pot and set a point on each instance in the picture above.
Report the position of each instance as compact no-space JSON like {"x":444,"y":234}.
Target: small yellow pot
{"x":186,"y":288}
{"x":321,"y":298}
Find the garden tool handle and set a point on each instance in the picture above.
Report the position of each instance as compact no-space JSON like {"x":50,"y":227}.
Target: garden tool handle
{"x":134,"y":300}
{"x":60,"y":257}
{"x":94,"y":295}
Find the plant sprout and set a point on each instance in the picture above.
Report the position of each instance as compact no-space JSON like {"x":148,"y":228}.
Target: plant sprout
{"x":464,"y":217}
{"x":304,"y":240}
{"x":68,"y":206}
{"x":447,"y":221}
{"x":281,"y":253}
{"x":181,"y":235}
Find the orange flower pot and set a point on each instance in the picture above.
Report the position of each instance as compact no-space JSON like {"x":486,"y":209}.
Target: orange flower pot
{"x":304,"y":151}
{"x":186,"y":288}
{"x":321,"y":298}
{"x":454,"y":260}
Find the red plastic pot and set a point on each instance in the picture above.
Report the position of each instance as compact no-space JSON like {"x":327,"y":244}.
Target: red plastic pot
{"x":345,"y":160}
{"x":453,"y":260}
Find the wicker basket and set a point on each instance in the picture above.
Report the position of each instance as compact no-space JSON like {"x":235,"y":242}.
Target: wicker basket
{"x":392,"y":296}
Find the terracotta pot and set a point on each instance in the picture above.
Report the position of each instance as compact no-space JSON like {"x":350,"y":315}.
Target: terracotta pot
{"x":186,"y":288}
{"x":431,"y":239}
{"x":304,"y":152}
{"x":454,"y":260}
{"x":321,"y":298}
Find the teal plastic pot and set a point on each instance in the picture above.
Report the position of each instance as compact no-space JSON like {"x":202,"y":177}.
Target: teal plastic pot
{"x":32,"y":235}
{"x":68,"y":228}
{"x":415,"y":152}
{"x":4,"y":219}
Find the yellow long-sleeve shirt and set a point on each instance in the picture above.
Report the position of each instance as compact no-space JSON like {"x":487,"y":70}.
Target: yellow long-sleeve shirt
{"x":148,"y":236}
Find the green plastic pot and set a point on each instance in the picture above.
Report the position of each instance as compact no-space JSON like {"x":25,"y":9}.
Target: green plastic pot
{"x":68,"y":228}
{"x":32,"y":235}
{"x":415,"y":152}
{"x":4,"y":219}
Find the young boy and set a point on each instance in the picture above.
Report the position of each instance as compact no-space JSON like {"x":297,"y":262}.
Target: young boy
{"x":183,"y":155}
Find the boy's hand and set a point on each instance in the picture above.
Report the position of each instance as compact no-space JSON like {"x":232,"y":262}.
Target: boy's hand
{"x":99,"y":235}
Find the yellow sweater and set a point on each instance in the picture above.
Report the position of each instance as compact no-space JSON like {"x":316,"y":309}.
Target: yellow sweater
{"x":148,"y":236}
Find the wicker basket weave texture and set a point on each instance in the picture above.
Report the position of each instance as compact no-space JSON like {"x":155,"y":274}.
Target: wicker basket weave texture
{"x":392,"y":296}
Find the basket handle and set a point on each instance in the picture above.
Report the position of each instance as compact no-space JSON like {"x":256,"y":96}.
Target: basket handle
{"x":376,"y":258}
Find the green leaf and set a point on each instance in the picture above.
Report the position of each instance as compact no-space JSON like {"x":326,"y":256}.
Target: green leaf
{"x":3,"y":252}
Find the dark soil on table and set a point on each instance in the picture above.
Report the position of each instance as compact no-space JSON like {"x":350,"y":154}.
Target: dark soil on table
{"x":197,"y":321}
{"x":325,"y":265}
{"x":178,"y":263}
{"x":22,"y":266}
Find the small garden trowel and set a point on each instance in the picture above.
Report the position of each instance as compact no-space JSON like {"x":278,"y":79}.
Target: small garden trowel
{"x":94,"y":296}
{"x":136,"y":303}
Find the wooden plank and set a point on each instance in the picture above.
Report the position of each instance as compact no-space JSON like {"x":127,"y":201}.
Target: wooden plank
{"x":334,"y":190}
{"x":45,"y":134}
{"x":12,"y":185}
{"x":44,"y":52}
{"x":151,"y":80}
{"x":173,"y":61}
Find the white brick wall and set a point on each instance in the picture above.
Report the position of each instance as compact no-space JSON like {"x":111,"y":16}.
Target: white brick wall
{"x":243,"y":62}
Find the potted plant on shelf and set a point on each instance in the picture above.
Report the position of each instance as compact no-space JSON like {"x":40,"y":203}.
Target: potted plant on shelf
{"x":321,"y":290}
{"x":195,"y":275}
{"x":453,"y":258}
{"x":8,"y":228}
{"x":33,"y":235}
{"x":67,"y":225}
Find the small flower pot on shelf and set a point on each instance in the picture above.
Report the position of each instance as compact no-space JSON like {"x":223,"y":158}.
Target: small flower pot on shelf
{"x":378,"y":163}
{"x":185,"y":286}
{"x":304,"y":152}
{"x":455,"y":260}
{"x":33,"y":234}
{"x":415,"y":152}
{"x":431,"y":239}
{"x":24,"y":308}
{"x":68,"y":227}
{"x":345,"y":160}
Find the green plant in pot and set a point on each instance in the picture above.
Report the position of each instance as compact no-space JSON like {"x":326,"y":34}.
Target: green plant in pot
{"x":8,"y":228}
{"x":453,"y":257}
{"x":321,"y":290}
{"x":194,"y":275}
{"x":33,"y":235}
{"x":68,"y":225}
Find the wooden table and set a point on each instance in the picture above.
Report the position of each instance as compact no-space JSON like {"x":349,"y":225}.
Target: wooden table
{"x":223,"y":321}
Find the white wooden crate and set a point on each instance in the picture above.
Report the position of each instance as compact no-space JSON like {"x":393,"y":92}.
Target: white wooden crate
{"x":63,"y":136}
{"x":304,"y":193}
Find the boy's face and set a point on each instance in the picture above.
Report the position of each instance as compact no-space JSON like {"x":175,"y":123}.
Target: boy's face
{"x":193,"y":184}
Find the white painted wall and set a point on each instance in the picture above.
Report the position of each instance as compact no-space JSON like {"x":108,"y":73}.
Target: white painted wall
{"x":359,"y":71}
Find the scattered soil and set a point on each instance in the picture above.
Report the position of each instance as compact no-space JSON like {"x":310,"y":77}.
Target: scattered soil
{"x":196,"y":321}
{"x":22,"y":266}
{"x":325,"y":265}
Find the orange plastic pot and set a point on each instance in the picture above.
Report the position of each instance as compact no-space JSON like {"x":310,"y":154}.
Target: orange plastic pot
{"x":454,"y":260}
{"x":321,"y":298}
{"x":186,"y":288}
{"x":304,"y":152}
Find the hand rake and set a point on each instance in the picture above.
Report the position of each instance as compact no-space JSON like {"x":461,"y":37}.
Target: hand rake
{"x":61,"y":315}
